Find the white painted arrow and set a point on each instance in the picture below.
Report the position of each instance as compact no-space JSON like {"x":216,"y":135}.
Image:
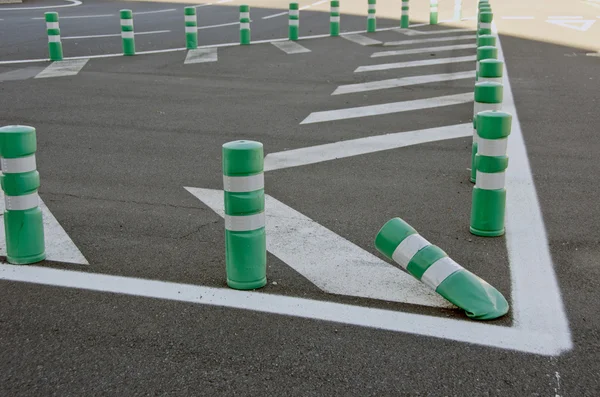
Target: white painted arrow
{"x":581,"y":25}
{"x":329,"y":261}
{"x":59,"y":246}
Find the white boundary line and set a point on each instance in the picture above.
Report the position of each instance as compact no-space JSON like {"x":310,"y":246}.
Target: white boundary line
{"x":74,"y":3}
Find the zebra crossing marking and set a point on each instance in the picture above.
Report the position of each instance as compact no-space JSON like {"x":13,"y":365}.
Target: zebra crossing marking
{"x":412,"y":32}
{"x":63,"y":68}
{"x":432,"y":40}
{"x":410,"y":64}
{"x":201,"y":55}
{"x":423,"y":50}
{"x":360,"y":39}
{"x":290,"y":47}
{"x":21,"y":74}
{"x":388,"y":108}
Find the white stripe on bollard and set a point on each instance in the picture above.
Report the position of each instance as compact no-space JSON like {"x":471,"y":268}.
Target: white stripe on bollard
{"x":18,"y":165}
{"x":244,"y":15}
{"x":295,"y":13}
{"x":335,"y":9}
{"x":190,"y":18}
{"x":54,"y":38}
{"x":243,"y":223}
{"x":492,"y":147}
{"x":52,"y":25}
{"x":439,"y":271}
{"x":294,"y":22}
{"x":490,"y":181}
{"x":245,"y":25}
{"x":485,"y":25}
{"x":408,"y":248}
{"x":334,"y":19}
{"x":127,"y":35}
{"x":482,"y":107}
{"x":239,"y":184}
{"x":20,"y":203}
{"x":126,"y":22}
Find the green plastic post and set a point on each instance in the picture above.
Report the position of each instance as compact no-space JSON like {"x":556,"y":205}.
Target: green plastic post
{"x":485,"y":23}
{"x":491,"y":70}
{"x":433,"y":12}
{"x":486,"y":40}
{"x":488,"y":96}
{"x":334,"y":19}
{"x":245,"y":236}
{"x":398,"y":241}
{"x":371,"y":20}
{"x":53,"y":30}
{"x":489,"y":193}
{"x":127,"y":35}
{"x":294,"y":21}
{"x":244,"y":24}
{"x":405,"y":19}
{"x":484,"y":52}
{"x":23,"y":224}
{"x":191,"y":28}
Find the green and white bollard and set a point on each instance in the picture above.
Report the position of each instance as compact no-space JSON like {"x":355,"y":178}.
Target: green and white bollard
{"x":489,"y":194}
{"x":405,"y":18}
{"x":245,"y":236}
{"x":127,"y":35}
{"x":23,"y":224}
{"x":191,"y":28}
{"x":485,"y":23}
{"x":428,"y":263}
{"x":488,"y":96}
{"x":457,"y":10}
{"x":433,"y":12}
{"x":244,"y":24}
{"x":491,"y":70}
{"x":371,"y":20}
{"x":334,"y":19}
{"x":294,"y":21}
{"x":485,"y":52}
{"x":54,"y":43}
{"x":486,"y":40}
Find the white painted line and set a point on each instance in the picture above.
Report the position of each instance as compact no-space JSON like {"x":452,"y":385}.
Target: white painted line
{"x":357,"y":147}
{"x":432,"y":40}
{"x":81,"y":16}
{"x":59,"y":246}
{"x":329,"y":261}
{"x":564,"y":17}
{"x":478,"y":333}
{"x":517,"y":18}
{"x":536,"y":299}
{"x":581,"y":25}
{"x":290,"y":47}
{"x":387,"y":108}
{"x":112,"y":35}
{"x":402,"y":82}
{"x":276,"y":15}
{"x":63,"y":68}
{"x":410,"y":64}
{"x":424,"y":50}
{"x":73,"y":3}
{"x":279,"y":14}
{"x":21,"y":74}
{"x":420,"y":32}
{"x":219,"y":25}
{"x":154,"y":12}
{"x":203,"y":5}
{"x":201,"y":55}
{"x":360,"y":39}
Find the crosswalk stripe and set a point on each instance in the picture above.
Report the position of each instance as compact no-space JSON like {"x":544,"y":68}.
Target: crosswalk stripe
{"x":411,"y":32}
{"x":402,"y":82}
{"x":201,"y":55}
{"x":63,"y":68}
{"x":387,"y":108}
{"x":360,"y":39}
{"x":410,"y":64}
{"x":290,"y":47}
{"x":432,"y":40}
{"x":21,"y":74}
{"x":423,"y":50}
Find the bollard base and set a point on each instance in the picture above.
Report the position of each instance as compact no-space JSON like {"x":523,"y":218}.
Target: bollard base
{"x":26,"y":260}
{"x":247,"y":285}
{"x":485,"y":233}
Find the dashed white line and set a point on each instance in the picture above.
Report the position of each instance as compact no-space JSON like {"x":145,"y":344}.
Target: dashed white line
{"x":73,"y":4}
{"x":410,"y":64}
{"x":432,"y":40}
{"x":301,"y":8}
{"x":154,"y":12}
{"x":113,"y":35}
{"x":423,"y":50}
{"x":82,"y":16}
{"x":218,"y":26}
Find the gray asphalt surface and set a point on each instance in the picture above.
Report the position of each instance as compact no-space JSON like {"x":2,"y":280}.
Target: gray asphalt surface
{"x":119,"y":141}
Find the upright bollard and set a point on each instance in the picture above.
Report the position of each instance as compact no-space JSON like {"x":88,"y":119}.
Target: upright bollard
{"x":433,"y":12}
{"x":457,"y":10}
{"x":245,"y":236}
{"x":488,"y":96}
{"x":491,"y":70}
{"x":485,"y":23}
{"x":371,"y":20}
{"x":485,"y":52}
{"x":405,"y":19}
{"x":334,"y":19}
{"x":191,"y":28}
{"x":489,"y":194}
{"x":127,"y":35}
{"x":54,"y":43}
{"x":23,"y":224}
{"x":294,"y":21}
{"x":486,"y":40}
{"x":398,"y":241}
{"x":244,"y":24}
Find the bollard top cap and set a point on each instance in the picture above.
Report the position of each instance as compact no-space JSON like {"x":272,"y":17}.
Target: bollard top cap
{"x":486,"y":40}
{"x":294,"y":6}
{"x":51,"y":16}
{"x":492,"y":68}
{"x":126,"y":14}
{"x":244,"y":8}
{"x":493,"y":124}
{"x":488,"y":92}
{"x":242,"y":158}
{"x":391,"y":235}
{"x":335,"y":3}
{"x":189,"y":11}
{"x":17,"y":141}
{"x":487,"y":52}
{"x":486,"y":16}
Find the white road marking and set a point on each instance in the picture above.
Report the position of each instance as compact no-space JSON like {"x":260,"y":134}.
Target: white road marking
{"x":423,"y":50}
{"x":432,"y":40}
{"x":517,"y":17}
{"x":565,"y":17}
{"x":357,"y":147}
{"x":581,"y":25}
{"x":21,"y":74}
{"x":402,"y":82}
{"x":201,"y":55}
{"x":290,"y":47}
{"x":154,"y":12}
{"x":59,"y":246}
{"x":63,"y":68}
{"x":276,"y":15}
{"x":420,"y":32}
{"x":73,"y":3}
{"x":279,"y":14}
{"x":360,"y":39}
{"x":329,"y":261}
{"x":387,"y":108}
{"x":410,"y":64}
{"x":81,"y":16}
{"x":219,"y":26}
{"x":98,"y":36}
